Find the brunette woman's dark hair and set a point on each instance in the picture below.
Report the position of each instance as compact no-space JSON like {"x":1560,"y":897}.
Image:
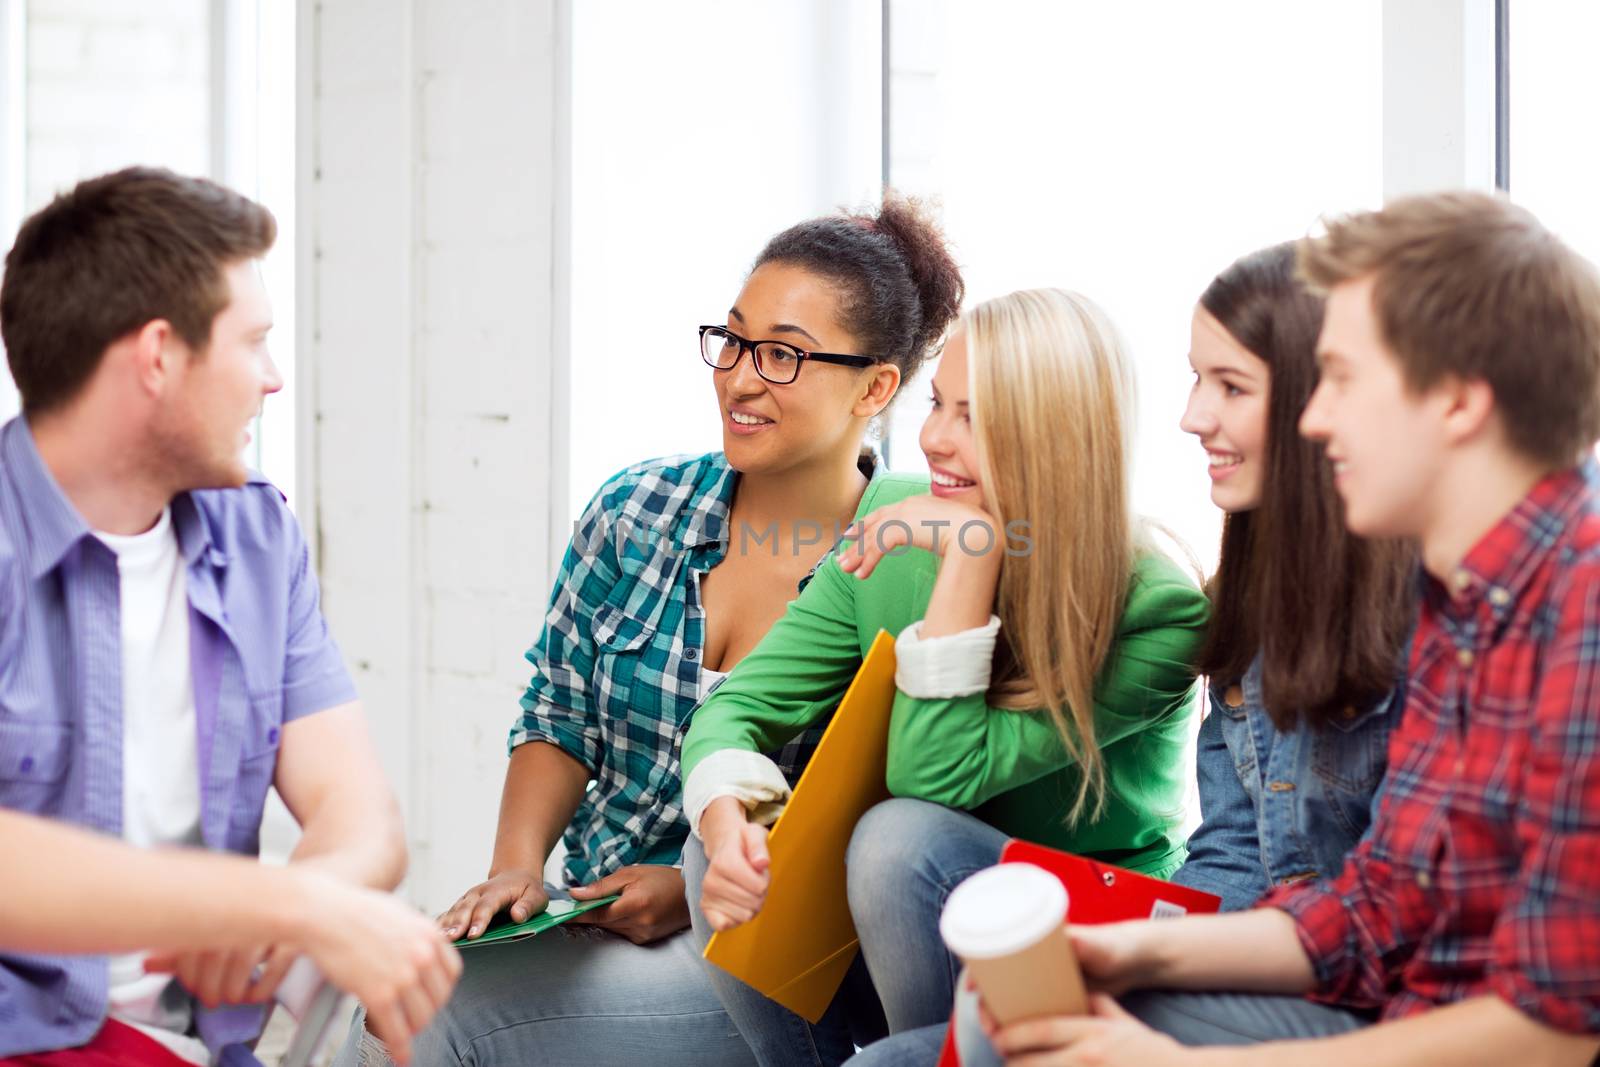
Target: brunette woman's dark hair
{"x":1326,"y":611}
{"x":900,"y":288}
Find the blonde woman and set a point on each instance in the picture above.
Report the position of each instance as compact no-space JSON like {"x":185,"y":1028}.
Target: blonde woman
{"x":1045,"y":686}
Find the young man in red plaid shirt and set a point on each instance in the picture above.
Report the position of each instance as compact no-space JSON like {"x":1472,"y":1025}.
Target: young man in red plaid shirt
{"x":1459,"y":402}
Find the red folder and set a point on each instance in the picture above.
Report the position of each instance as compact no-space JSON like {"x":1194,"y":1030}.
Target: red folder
{"x":1101,"y":893}
{"x":1098,"y":893}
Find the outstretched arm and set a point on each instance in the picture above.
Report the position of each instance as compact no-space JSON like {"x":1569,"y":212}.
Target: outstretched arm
{"x":177,"y":901}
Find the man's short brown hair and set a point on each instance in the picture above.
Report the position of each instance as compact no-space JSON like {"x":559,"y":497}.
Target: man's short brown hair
{"x":1469,"y":285}
{"x":111,"y":255}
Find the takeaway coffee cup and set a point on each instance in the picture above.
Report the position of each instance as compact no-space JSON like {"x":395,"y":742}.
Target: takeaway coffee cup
{"x":1008,"y":924}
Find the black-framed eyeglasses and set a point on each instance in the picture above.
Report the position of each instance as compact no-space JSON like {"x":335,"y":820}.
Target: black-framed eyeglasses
{"x":777,"y":362}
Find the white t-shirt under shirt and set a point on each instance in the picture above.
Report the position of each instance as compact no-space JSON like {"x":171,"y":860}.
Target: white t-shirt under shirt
{"x":709,"y":679}
{"x":160,"y":756}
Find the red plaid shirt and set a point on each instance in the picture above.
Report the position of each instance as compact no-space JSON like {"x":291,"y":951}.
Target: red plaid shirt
{"x":1482,"y":871}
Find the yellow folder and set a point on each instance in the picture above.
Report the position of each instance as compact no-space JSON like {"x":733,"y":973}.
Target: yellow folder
{"x":798,"y":948}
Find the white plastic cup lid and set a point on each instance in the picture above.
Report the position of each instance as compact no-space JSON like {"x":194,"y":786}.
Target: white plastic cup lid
{"x":1002,"y":910}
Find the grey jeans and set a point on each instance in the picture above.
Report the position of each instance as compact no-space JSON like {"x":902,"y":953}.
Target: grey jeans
{"x":777,"y":1036}
{"x":1190,"y":1018}
{"x":576,"y":995}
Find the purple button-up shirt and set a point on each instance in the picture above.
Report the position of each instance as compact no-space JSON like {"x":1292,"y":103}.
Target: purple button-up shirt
{"x":261,"y":656}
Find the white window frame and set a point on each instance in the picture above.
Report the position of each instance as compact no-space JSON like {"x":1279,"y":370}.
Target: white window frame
{"x":1439,"y":95}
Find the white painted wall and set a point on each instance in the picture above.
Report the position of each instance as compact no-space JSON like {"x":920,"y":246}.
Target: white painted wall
{"x":425,"y":369}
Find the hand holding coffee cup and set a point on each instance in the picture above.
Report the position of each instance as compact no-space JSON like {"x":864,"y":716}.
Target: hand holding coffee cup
{"x":1008,"y":925}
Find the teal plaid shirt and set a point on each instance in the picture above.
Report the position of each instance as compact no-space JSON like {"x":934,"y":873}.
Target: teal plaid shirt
{"x":616,"y":672}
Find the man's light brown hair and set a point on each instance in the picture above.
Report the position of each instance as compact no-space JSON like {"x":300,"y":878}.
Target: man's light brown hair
{"x":112,"y":254}
{"x":1469,"y":285}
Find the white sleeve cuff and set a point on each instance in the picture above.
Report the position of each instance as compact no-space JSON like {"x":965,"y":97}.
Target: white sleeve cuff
{"x":749,"y":777}
{"x":955,"y":665}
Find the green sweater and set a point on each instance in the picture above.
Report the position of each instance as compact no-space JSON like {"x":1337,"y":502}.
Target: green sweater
{"x":1009,"y":768}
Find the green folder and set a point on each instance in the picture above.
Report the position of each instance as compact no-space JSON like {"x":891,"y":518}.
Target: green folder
{"x":502,"y":929}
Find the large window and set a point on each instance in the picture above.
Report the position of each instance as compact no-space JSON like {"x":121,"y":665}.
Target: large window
{"x":1126,"y":154}
{"x":200,"y":86}
{"x":254,"y":151}
{"x":1554,"y":94}
{"x":1131,"y":151}
{"x":698,"y":130}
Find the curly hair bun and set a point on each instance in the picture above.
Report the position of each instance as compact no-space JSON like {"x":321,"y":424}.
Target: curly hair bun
{"x":899,"y":287}
{"x":933,"y":269}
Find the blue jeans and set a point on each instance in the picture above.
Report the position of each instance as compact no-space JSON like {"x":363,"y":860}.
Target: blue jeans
{"x":905,"y":858}
{"x":779,"y":1037}
{"x":1190,"y":1018}
{"x":578,"y":995}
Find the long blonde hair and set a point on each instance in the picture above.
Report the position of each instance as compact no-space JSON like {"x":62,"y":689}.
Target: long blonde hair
{"x":1052,"y":407}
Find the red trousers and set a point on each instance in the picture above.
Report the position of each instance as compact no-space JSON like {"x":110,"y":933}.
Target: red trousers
{"x":116,"y":1045}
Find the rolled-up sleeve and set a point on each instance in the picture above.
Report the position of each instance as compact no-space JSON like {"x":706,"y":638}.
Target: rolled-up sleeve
{"x":558,"y":706}
{"x":962,"y":752}
{"x":1346,"y":930}
{"x":1545,"y":952}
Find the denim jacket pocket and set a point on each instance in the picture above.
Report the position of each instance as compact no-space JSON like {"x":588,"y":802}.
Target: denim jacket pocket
{"x":1349,"y":756}
{"x":1235,"y":722}
{"x":1349,"y":751}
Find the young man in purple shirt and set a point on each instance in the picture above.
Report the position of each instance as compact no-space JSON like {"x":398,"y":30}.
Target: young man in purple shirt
{"x":163,"y":659}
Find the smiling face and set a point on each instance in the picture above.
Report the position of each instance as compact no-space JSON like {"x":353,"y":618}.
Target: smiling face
{"x":947,"y":439}
{"x":767,"y":428}
{"x":1386,"y":442}
{"x":1227,"y":411}
{"x":203,"y":424}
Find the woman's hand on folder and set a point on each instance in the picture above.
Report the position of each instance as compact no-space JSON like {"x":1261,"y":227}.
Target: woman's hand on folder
{"x":736,"y":865}
{"x":521,"y":891}
{"x":652,"y":903}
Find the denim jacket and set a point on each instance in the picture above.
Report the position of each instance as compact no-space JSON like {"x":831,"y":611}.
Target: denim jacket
{"x":1279,"y":807}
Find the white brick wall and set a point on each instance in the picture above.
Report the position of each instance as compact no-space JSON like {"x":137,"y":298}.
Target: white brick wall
{"x":425,"y":357}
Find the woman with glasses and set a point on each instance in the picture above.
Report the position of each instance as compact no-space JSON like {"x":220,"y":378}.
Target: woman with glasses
{"x":676,"y":571}
{"x":1044,"y":650}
